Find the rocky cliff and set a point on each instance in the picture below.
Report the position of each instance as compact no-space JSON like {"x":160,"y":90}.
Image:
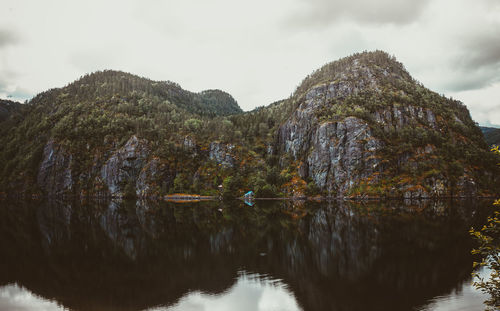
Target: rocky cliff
{"x":358,"y":127}
{"x":367,"y":128}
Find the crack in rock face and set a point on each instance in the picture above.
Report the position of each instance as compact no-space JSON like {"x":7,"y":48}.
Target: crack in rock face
{"x":125,"y":165}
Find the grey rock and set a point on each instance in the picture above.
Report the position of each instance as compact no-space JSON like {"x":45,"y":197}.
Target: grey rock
{"x":466,"y":186}
{"x":336,"y":155}
{"x":125,"y":165}
{"x":431,"y":119}
{"x":221,"y":154}
{"x":342,"y":153}
{"x":189,"y":145}
{"x":54,"y":174}
{"x":147,"y":174}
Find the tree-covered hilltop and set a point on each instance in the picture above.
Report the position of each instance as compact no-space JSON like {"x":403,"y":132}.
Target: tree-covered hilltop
{"x":109,"y":83}
{"x":7,"y":108}
{"x":357,"y":126}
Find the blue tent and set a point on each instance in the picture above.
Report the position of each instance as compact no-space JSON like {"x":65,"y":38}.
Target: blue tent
{"x":248,"y":198}
{"x":249,"y":194}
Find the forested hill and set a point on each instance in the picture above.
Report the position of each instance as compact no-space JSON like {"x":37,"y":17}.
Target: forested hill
{"x":359,"y":126}
{"x":109,"y":83}
{"x":491,"y":135}
{"x":7,"y":108}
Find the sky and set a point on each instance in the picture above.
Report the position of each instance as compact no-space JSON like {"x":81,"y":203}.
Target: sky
{"x":258,"y":51}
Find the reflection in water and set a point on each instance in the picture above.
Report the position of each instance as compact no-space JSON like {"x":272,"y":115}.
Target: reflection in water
{"x":14,"y":297}
{"x":251,"y":292}
{"x":166,"y":256}
{"x":464,"y":298}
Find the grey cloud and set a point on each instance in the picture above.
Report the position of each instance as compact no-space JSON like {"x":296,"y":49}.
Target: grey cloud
{"x":320,"y":13}
{"x":94,"y":58}
{"x":20,"y":94}
{"x":468,"y":81}
{"x":477,"y":63}
{"x":489,"y":124}
{"x":492,"y":3}
{"x":482,"y":50}
{"x":9,"y":89}
{"x":4,"y":82}
{"x":8,"y":37}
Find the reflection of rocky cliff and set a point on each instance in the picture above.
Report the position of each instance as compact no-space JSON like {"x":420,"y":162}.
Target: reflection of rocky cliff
{"x":345,"y":259}
{"x":137,"y":255}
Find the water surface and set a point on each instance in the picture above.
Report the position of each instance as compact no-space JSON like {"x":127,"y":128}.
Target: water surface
{"x":229,"y":256}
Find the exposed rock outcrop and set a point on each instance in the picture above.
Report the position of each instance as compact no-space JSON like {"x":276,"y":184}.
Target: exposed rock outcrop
{"x":342,"y":153}
{"x":155,"y":176}
{"x":125,"y":165}
{"x":221,"y":153}
{"x":337,"y":154}
{"x":54,"y":174}
{"x":345,"y":132}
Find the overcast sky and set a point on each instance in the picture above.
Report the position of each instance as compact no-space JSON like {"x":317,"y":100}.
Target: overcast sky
{"x":257,"y":50}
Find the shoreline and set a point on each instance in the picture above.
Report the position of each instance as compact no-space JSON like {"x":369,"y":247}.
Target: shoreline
{"x":187,"y":198}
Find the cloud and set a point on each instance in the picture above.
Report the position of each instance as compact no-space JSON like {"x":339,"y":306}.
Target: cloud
{"x":484,"y":104}
{"x":8,"y":37}
{"x":482,"y":50}
{"x":471,"y":43}
{"x":5,"y":84}
{"x":322,"y":13}
{"x":20,"y":94}
{"x":462,"y":80}
{"x":94,"y":58}
{"x":9,"y":89}
{"x":258,"y":51}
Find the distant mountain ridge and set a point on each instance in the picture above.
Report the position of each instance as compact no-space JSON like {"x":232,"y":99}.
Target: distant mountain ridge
{"x":491,"y":135}
{"x":360,"y":126}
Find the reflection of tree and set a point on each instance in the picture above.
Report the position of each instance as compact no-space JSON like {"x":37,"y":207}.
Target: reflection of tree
{"x":489,"y":249}
{"x":133,"y":255}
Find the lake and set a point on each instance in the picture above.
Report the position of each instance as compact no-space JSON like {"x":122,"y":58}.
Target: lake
{"x":275,"y":255}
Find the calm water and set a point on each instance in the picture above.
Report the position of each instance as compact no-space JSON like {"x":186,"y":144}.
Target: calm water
{"x":229,"y":256}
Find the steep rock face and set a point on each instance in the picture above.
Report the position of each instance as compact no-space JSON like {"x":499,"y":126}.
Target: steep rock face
{"x":341,"y":154}
{"x":54,"y":174}
{"x":397,"y":117}
{"x":128,"y":165}
{"x":148,"y":173}
{"x":294,"y":134}
{"x":155,"y":176}
{"x":221,"y":153}
{"x":188,"y":144}
{"x":336,"y":154}
{"x":125,"y":165}
{"x":365,"y":123}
